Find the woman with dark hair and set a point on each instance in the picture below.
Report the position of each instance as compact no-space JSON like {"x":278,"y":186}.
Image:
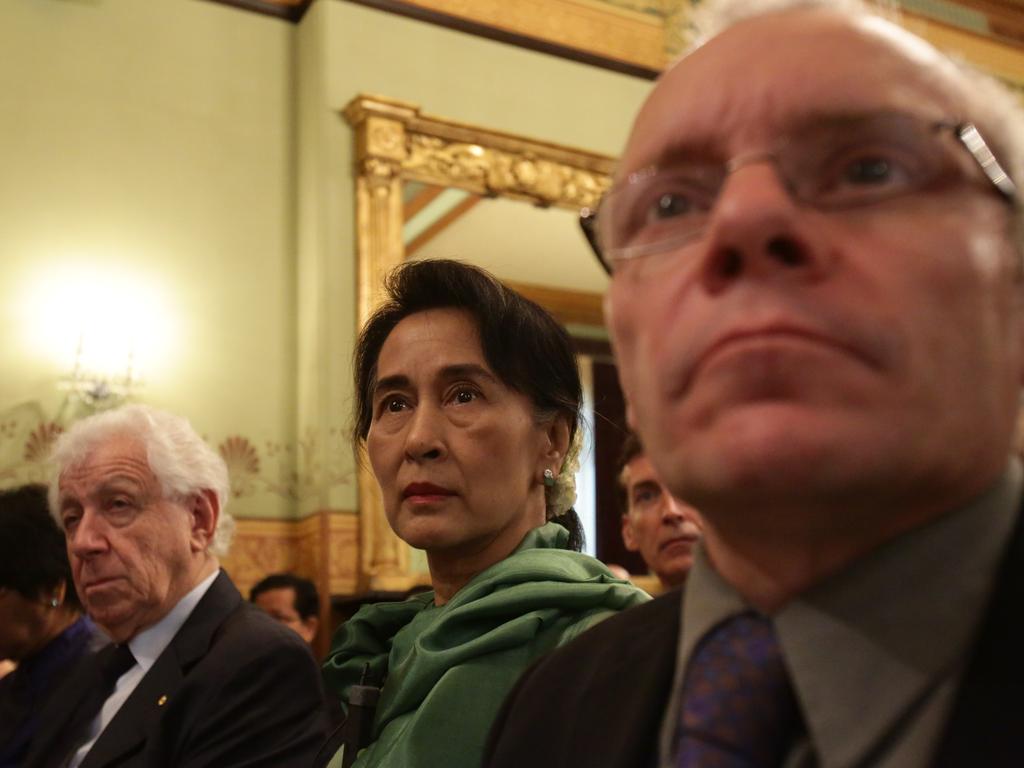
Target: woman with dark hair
{"x":467,"y":400}
{"x":41,"y":623}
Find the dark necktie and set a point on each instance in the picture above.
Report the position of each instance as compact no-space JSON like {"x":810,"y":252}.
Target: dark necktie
{"x":112,"y":662}
{"x":738,"y":707}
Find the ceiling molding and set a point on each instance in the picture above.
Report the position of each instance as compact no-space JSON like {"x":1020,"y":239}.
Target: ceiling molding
{"x":289,"y":10}
{"x":619,"y":39}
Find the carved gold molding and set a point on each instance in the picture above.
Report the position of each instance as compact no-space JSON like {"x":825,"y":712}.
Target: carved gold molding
{"x":395,"y":141}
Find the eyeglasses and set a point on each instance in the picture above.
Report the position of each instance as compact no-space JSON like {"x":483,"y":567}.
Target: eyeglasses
{"x":830,"y":165}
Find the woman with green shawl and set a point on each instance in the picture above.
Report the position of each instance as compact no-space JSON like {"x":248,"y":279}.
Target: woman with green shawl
{"x":467,"y":400}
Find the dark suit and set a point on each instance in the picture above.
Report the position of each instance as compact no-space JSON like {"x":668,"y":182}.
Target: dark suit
{"x":600,"y":699}
{"x":234,"y":687}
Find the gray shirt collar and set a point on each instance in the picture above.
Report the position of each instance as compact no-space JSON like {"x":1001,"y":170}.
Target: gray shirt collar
{"x":869,"y":646}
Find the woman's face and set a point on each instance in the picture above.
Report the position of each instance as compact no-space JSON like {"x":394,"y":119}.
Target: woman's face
{"x":459,"y":455}
{"x":23,"y":624}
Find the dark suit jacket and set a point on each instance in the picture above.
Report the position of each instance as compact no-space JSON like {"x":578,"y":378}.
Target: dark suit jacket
{"x":233,"y":688}
{"x":600,"y":699}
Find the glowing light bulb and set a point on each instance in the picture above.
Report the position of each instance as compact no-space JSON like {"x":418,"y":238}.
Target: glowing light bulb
{"x":98,"y":321}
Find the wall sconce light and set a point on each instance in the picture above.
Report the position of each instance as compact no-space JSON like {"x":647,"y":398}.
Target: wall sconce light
{"x":96,"y":389}
{"x":104,"y":328}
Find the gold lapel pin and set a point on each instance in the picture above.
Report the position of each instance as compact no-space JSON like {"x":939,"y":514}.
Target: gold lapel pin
{"x":161,"y":701}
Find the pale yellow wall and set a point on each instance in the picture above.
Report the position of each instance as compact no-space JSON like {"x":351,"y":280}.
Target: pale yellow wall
{"x":152,"y":142}
{"x":478,"y":81}
{"x":326,"y":318}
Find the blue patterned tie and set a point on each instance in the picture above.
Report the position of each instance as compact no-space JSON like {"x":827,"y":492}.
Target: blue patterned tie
{"x":738,"y":708}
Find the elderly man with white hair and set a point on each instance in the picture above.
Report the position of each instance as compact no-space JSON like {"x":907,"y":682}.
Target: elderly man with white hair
{"x":817,"y":307}
{"x":195,"y":675}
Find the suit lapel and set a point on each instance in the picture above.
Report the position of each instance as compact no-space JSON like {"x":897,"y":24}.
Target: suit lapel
{"x":53,"y":738}
{"x":639,"y":675}
{"x":141,"y":712}
{"x":137,"y":716}
{"x":988,"y":716}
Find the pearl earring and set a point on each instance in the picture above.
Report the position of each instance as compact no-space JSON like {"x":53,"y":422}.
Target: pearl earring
{"x":549,"y":478}
{"x":54,"y":602}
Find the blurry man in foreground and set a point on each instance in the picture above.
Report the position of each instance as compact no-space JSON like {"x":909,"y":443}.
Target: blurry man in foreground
{"x":816,"y":304}
{"x":661,"y":528}
{"x":195,"y":676}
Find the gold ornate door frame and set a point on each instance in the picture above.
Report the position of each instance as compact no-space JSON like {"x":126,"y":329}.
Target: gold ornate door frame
{"x":395,"y":142}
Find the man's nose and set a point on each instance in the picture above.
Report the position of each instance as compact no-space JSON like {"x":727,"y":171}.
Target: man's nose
{"x":758,"y":230}
{"x":424,"y":439}
{"x":671,"y":509}
{"x":88,"y":536}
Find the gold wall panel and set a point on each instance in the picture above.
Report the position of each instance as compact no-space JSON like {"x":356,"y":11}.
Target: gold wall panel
{"x":396,"y":140}
{"x":262,"y":547}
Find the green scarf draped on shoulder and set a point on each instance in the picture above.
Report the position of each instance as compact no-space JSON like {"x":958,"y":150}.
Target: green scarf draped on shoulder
{"x":448,"y":668}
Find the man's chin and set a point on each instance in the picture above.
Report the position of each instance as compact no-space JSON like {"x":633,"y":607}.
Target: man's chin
{"x":674,"y":573}
{"x":113,"y":611}
{"x":117,"y":625}
{"x":674,"y":565}
{"x":760,"y":447}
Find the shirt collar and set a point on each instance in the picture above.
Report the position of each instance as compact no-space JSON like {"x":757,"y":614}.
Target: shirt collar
{"x":903,"y":619}
{"x":147,"y":646}
{"x":883,"y":632}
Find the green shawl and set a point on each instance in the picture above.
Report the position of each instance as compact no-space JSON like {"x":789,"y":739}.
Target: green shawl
{"x":448,"y":668}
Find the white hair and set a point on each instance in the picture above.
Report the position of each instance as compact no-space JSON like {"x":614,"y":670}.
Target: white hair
{"x":990,"y":104}
{"x":182,"y":462}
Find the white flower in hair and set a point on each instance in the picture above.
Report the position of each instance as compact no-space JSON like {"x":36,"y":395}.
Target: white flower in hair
{"x":562,"y":495}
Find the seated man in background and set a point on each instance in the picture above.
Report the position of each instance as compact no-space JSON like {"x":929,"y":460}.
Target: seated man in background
{"x":661,"y":528}
{"x":291,"y":600}
{"x":817,"y":308}
{"x":196,"y":676}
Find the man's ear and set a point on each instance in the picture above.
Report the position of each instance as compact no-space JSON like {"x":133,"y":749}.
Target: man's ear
{"x":1020,"y":352}
{"x":628,"y":537}
{"x":609,"y":323}
{"x":1018,"y":300}
{"x":630,"y":416}
{"x":205,"y":509}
